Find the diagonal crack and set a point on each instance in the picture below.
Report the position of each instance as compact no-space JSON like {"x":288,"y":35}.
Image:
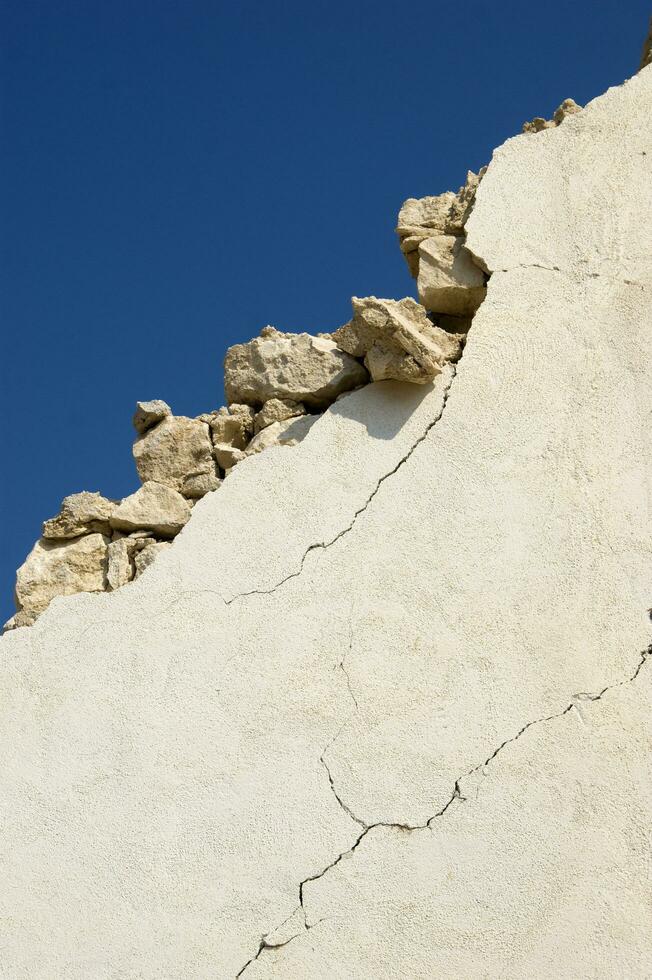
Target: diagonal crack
{"x":455,"y":795}
{"x":324,"y":545}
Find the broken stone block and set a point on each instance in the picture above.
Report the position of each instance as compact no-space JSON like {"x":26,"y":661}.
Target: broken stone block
{"x":149,"y":414}
{"x":286,"y":433}
{"x":233,"y":426}
{"x":397,"y":340}
{"x":277,"y":410}
{"x":119,"y":568}
{"x":155,"y":507}
{"x":568,"y":108}
{"x":227,"y":456}
{"x":298,"y":367}
{"x":81,"y":513}
{"x":144,"y":558}
{"x":449,"y":281}
{"x":63,"y":567}
{"x":173,"y":452}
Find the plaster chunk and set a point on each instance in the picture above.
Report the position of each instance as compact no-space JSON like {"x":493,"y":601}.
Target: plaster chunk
{"x":277,"y":410}
{"x":155,"y":507}
{"x":149,"y":413}
{"x":81,"y":513}
{"x":397,"y":340}
{"x":179,"y":454}
{"x":449,"y":281}
{"x":56,"y":568}
{"x":287,"y":433}
{"x":298,"y":367}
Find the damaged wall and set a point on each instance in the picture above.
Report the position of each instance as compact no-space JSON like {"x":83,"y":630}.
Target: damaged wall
{"x":380,"y":710}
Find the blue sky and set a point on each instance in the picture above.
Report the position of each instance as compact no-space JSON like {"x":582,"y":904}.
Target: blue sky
{"x":176,"y":175}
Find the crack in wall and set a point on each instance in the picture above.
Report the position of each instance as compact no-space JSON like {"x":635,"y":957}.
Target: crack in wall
{"x":324,"y":545}
{"x":456,"y":795}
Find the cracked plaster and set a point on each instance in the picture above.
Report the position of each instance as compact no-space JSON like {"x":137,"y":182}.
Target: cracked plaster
{"x":423,"y":587}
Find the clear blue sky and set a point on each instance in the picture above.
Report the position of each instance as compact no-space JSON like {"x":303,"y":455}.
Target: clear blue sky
{"x":176,"y":175}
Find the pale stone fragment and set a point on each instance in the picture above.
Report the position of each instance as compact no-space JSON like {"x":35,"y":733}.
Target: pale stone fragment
{"x":646,"y":55}
{"x":298,"y":367}
{"x":149,"y":413}
{"x":55,"y":568}
{"x":567,"y":108}
{"x":227,"y":456}
{"x":277,"y":410}
{"x":174,"y":451}
{"x":154,"y":507}
{"x":287,"y":433}
{"x":119,"y":568}
{"x":233,"y":426}
{"x":449,"y":281}
{"x":197,"y":485}
{"x":397,"y":340}
{"x":81,"y":513}
{"x":143,"y":559}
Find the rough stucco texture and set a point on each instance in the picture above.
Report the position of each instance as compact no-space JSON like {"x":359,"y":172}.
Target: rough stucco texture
{"x":384,"y":700}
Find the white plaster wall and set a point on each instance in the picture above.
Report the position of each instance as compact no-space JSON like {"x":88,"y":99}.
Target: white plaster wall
{"x":347,"y":631}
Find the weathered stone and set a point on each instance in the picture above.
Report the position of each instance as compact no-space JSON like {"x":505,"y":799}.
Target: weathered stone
{"x":298,"y":367}
{"x":233,"y":426}
{"x":197,"y":485}
{"x":567,"y":108}
{"x":149,"y":413}
{"x":119,"y":567}
{"x":81,"y":513}
{"x":277,"y":410}
{"x":227,"y":456}
{"x":449,"y":281}
{"x":397,"y":340}
{"x":154,"y":507}
{"x":22,"y":618}
{"x":646,"y":55}
{"x":286,"y":433}
{"x":143,"y":559}
{"x":55,"y":568}
{"x":174,"y":451}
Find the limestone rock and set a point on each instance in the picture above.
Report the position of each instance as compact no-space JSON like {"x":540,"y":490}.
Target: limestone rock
{"x":397,"y":340}
{"x":442,"y":214}
{"x":81,"y":513}
{"x":119,"y":569}
{"x":646,"y":56}
{"x":286,"y":433}
{"x":55,"y":568}
{"x":154,"y":507}
{"x":144,"y":558}
{"x":233,"y":426}
{"x":149,"y":413}
{"x":568,"y":108}
{"x":298,"y":367}
{"x":176,"y":452}
{"x":449,"y":281}
{"x":277,"y":410}
{"x":226,"y":455}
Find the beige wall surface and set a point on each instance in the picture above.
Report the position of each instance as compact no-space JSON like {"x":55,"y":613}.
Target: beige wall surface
{"x":382,"y":710}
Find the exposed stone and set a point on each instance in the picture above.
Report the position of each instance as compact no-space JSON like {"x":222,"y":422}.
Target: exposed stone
{"x":442,"y":214}
{"x":154,"y":507}
{"x":119,"y":568}
{"x":298,"y":367}
{"x":81,"y":513}
{"x":227,"y":456}
{"x":277,"y":410}
{"x":397,"y":340}
{"x":55,"y":568}
{"x":568,"y":108}
{"x":144,"y":558}
{"x":646,"y":55}
{"x":149,"y":413}
{"x":286,"y":433}
{"x":449,"y":281}
{"x":233,"y":426}
{"x":175,"y":453}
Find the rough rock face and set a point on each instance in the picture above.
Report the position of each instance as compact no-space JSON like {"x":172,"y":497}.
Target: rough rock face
{"x":149,"y":413}
{"x":568,"y":108}
{"x":298,"y":367}
{"x":397,"y":340}
{"x":145,"y":556}
{"x":154,"y":507}
{"x":289,"y":432}
{"x":277,"y":410}
{"x":646,"y":55}
{"x":449,"y":281}
{"x":56,"y":568}
{"x":178,"y":453}
{"x":81,"y":513}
